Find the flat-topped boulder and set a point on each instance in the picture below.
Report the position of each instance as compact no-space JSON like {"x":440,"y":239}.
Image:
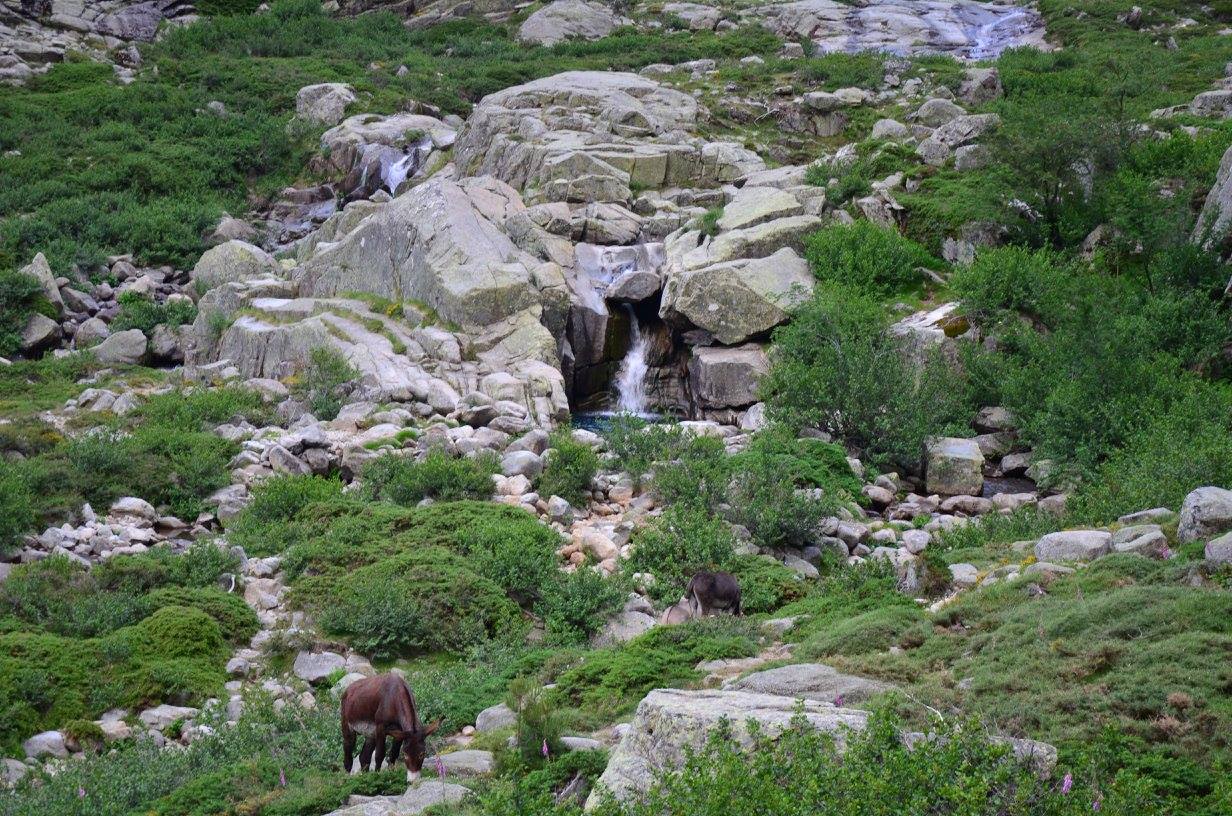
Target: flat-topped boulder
{"x":585,"y":136}
{"x":440,"y":244}
{"x":566,"y":20}
{"x":813,"y":681}
{"x":737,"y":300}
{"x":723,"y":377}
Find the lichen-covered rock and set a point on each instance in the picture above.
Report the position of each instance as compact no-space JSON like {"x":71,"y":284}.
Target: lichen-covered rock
{"x":1074,"y":545}
{"x":324,"y":103}
{"x":727,"y":377}
{"x":233,"y":261}
{"x":813,"y":681}
{"x":122,"y":348}
{"x":737,"y":300}
{"x":568,"y":19}
{"x":954,"y":467}
{"x":670,"y":722}
{"x":1206,"y":513}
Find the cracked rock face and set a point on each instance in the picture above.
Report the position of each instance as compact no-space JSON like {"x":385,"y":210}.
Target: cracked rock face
{"x":960,"y":28}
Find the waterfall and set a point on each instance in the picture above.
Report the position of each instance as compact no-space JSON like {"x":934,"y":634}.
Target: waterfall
{"x":631,"y":378}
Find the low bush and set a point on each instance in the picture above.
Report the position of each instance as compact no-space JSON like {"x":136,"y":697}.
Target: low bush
{"x":569,"y":469}
{"x":141,"y":312}
{"x":868,"y":257}
{"x":325,"y":380}
{"x":17,"y":513}
{"x":638,"y":444}
{"x":235,"y":619}
{"x":677,"y":544}
{"x":538,"y":727}
{"x":697,"y":475}
{"x":837,"y":368}
{"x":539,"y":788}
{"x":875,"y":772}
{"x":269,"y":523}
{"x":204,"y":408}
{"x":612,"y":680}
{"x":520,"y":558}
{"x":425,"y":600}
{"x":765,"y":585}
{"x":575,"y":605}
{"x":21,"y":296}
{"x":438,"y":476}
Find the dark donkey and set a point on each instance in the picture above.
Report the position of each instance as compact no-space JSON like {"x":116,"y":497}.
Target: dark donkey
{"x":711,"y":592}
{"x":380,"y":707}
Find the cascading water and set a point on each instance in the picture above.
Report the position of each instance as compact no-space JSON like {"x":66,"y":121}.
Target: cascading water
{"x":631,"y":377}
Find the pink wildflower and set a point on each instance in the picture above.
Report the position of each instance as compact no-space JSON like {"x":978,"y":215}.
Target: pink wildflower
{"x":1067,"y":784}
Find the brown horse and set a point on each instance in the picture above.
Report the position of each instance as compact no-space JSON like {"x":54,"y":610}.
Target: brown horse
{"x":380,"y":707}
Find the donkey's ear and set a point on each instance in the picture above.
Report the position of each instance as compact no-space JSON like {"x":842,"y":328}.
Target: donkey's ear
{"x":431,"y":729}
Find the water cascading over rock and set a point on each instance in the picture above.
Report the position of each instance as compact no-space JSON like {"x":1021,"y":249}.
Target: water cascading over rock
{"x":631,"y":378}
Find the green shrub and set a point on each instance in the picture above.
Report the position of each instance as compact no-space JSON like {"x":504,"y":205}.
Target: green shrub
{"x":438,"y":476}
{"x":575,"y":605}
{"x":697,"y":475}
{"x":873,"y":631}
{"x":16,"y":508}
{"x":425,"y":600}
{"x":45,"y":680}
{"x":765,"y":585}
{"x":1013,"y":279}
{"x":867,"y":256}
{"x":531,"y":789}
{"x":836,"y":368}
{"x":521,"y":558}
{"x":236,"y":620}
{"x":638,"y":444}
{"x":325,"y":379}
{"x":708,"y":224}
{"x":676,"y":545}
{"x":268,"y":524}
{"x":569,"y":469}
{"x":960,"y":770}
{"x":611,"y":681}
{"x":537,"y":728}
{"x":203,"y":408}
{"x":20,"y":297}
{"x":764,"y":498}
{"x":139,"y":311}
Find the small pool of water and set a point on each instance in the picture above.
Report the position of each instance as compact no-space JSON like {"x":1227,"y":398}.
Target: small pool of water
{"x":601,"y":421}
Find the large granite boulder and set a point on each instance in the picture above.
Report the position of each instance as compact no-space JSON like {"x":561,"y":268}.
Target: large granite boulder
{"x":961,"y":28}
{"x":737,"y":300}
{"x":440,"y":244}
{"x":40,"y":270}
{"x":585,"y":136}
{"x":954,"y":467}
{"x":122,"y":348}
{"x":233,"y":261}
{"x":1073,"y":545}
{"x":724,"y":377}
{"x":566,"y":20}
{"x":1216,"y":218}
{"x":1206,"y":513}
{"x":324,"y":103}
{"x":814,"y":681}
{"x":417,"y":799}
{"x":670,"y":722}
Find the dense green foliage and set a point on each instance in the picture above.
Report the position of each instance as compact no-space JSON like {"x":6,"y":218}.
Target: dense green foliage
{"x":866,"y":256}
{"x":438,"y":476}
{"x":571,"y":466}
{"x":324,"y":381}
{"x":676,"y":545}
{"x":20,"y":296}
{"x":140,"y":312}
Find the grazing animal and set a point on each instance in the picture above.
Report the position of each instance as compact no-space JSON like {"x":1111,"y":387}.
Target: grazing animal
{"x":678,"y":612}
{"x":380,"y":707}
{"x":712,"y":592}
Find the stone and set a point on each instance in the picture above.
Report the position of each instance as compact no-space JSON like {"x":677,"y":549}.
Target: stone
{"x":1150,"y":543}
{"x":90,"y":333}
{"x":315,"y":667}
{"x":737,"y":300}
{"x":964,"y":575}
{"x":1215,"y":220}
{"x":233,"y":261}
{"x":623,"y":627}
{"x":133,"y":509}
{"x":48,"y":743}
{"x":40,"y":270}
{"x":971,"y":157}
{"x":757,"y":205}
{"x":14,"y":771}
{"x":165,"y":344}
{"x":937,"y":112}
{"x":495,"y":718}
{"x":122,"y":348}
{"x":634,"y":286}
{"x":440,"y":244}
{"x":723,"y":377}
{"x":464,"y":763}
{"x":160,"y":717}
{"x":965,"y":29}
{"x":1074,"y":545}
{"x":522,"y":463}
{"x":325,"y":103}
{"x":1219,"y":550}
{"x":568,"y":19}
{"x":1205,"y":513}
{"x":980,"y":85}
{"x":813,"y":681}
{"x":669,"y":723}
{"x":800,"y":567}
{"x":581,"y":744}
{"x":417,"y":799}
{"x":890,"y":129}
{"x":39,"y":333}
{"x":916,"y":541}
{"x":954,"y":467}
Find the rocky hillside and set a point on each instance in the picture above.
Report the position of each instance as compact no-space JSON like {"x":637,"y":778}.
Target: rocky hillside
{"x":453,"y":339}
